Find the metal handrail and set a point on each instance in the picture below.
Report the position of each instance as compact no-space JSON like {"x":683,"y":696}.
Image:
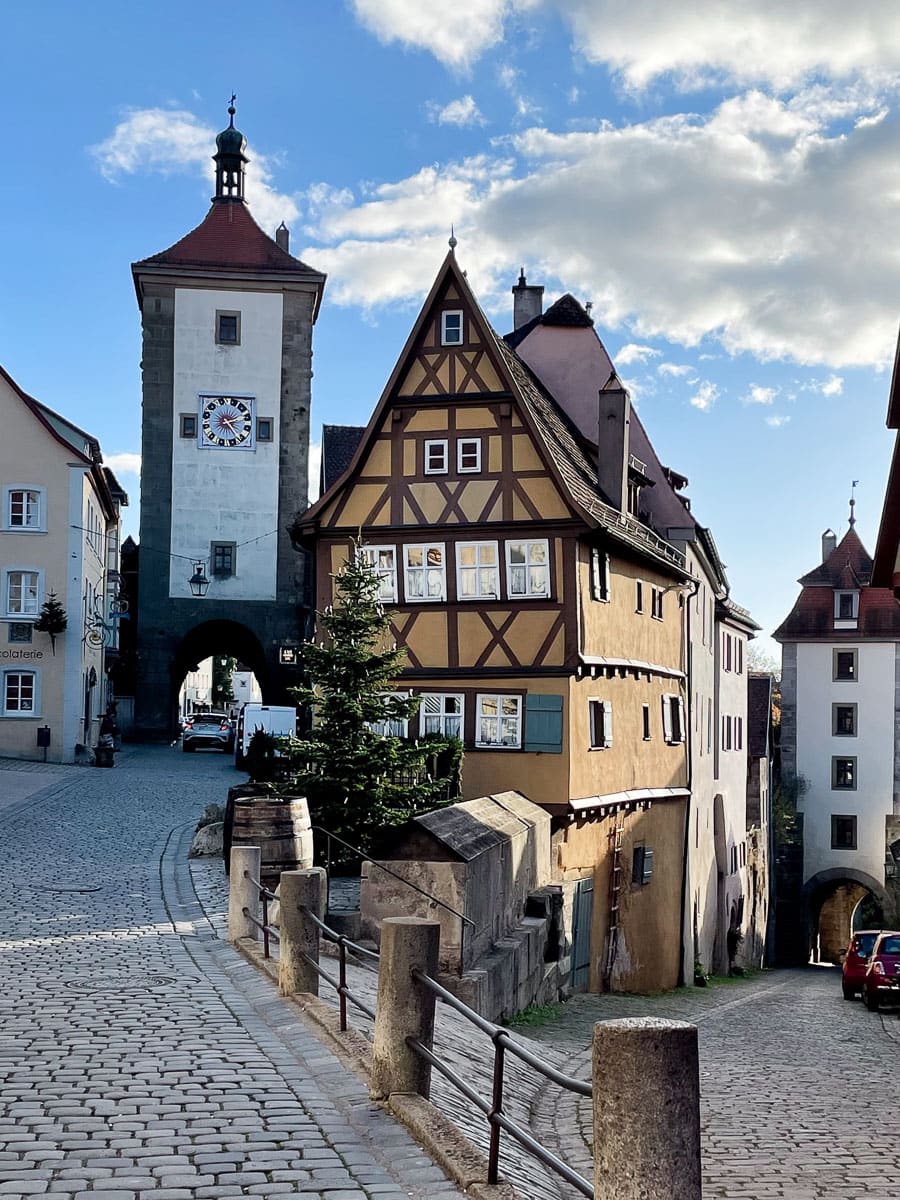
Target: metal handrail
{"x":364,"y":855}
{"x":268,"y":931}
{"x":497,"y":1119}
{"x":340,"y":984}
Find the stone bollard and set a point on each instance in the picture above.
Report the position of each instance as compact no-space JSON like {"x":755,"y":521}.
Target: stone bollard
{"x":405,"y":1007}
{"x":646,"y":1078}
{"x":300,"y":890}
{"x":242,"y":893}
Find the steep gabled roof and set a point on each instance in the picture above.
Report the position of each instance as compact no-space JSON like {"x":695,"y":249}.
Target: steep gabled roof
{"x":847,"y":566}
{"x":566,"y":456}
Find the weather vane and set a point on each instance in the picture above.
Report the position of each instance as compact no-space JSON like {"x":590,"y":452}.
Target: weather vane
{"x":853,"y":501}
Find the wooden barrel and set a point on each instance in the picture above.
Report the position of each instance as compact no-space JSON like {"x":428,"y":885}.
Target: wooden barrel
{"x":279,"y":825}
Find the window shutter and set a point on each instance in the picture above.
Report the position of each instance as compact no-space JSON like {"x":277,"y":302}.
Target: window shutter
{"x":681,"y":734}
{"x":647,"y":865}
{"x":667,"y":718}
{"x":607,"y":722}
{"x":543,"y":723}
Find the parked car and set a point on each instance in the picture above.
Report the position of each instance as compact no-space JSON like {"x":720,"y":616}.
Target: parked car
{"x":855,"y":961}
{"x":208,"y":729}
{"x":882,"y":981}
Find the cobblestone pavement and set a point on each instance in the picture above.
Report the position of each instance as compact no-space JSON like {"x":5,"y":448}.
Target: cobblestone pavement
{"x":799,"y":1088}
{"x":456,"y":1041}
{"x":140,"y":1057}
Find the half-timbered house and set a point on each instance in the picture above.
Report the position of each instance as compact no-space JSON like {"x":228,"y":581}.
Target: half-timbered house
{"x":542,"y":619}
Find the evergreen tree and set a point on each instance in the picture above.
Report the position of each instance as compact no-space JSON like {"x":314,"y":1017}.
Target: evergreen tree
{"x":53,"y":619}
{"x":358,"y":779}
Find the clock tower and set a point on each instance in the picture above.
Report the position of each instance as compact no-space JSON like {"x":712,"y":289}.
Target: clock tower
{"x":227,"y":316}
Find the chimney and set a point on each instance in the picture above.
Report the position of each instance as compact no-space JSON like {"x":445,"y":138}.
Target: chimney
{"x":614,"y":419}
{"x":528,"y":301}
{"x":283,"y":237}
{"x":829,"y":542}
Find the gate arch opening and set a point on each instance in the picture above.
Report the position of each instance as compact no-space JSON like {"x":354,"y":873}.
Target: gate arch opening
{"x":834,"y":900}
{"x":217,"y":638}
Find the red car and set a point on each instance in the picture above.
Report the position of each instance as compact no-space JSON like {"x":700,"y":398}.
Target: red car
{"x":856,"y":961}
{"x":882,"y":983}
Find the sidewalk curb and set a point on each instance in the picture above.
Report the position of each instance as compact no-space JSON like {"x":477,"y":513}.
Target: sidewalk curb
{"x":454,"y":1153}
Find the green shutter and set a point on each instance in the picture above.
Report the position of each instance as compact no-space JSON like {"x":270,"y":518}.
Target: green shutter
{"x":543,"y":723}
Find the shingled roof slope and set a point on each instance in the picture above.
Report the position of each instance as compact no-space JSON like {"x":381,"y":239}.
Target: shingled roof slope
{"x":229,"y":238}
{"x":847,"y":566}
{"x":339,"y":443}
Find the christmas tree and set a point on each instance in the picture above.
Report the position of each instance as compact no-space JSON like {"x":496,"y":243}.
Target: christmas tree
{"x":53,"y":619}
{"x":359,"y":777}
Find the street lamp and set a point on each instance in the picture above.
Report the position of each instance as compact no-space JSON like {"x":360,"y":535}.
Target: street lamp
{"x":198,"y":581}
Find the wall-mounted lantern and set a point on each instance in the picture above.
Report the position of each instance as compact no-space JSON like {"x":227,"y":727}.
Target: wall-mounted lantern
{"x":198,"y":581}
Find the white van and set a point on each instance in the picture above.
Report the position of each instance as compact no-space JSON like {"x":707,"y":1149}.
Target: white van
{"x":277,"y":719}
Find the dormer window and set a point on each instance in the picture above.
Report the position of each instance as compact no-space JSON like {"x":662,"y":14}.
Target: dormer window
{"x":846,"y":609}
{"x":452,"y":328}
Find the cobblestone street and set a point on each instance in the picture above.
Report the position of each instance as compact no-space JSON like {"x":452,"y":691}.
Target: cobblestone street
{"x":139,"y":1055}
{"x":799,"y":1087}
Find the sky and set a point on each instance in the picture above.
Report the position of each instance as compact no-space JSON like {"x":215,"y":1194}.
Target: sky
{"x":721,"y":181}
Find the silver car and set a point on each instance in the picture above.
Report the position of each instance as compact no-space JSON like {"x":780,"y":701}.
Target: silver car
{"x":212,"y":729}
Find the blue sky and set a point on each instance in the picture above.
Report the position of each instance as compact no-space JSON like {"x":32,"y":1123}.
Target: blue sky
{"x":721,"y":181}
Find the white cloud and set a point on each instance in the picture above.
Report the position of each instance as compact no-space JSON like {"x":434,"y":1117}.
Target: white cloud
{"x":768,"y":42}
{"x":166,"y":141}
{"x":475,"y":26}
{"x":315,"y":464}
{"x":745,"y":206}
{"x":126,"y":463}
{"x":635,"y":353}
{"x":705,"y":396}
{"x":463,"y":111}
{"x":833,"y":386}
{"x":510,"y":78}
{"x":760,"y":395}
{"x":776,"y":422}
{"x":677,"y":370}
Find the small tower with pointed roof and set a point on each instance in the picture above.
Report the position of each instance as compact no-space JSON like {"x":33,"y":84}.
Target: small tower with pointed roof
{"x":840,"y":751}
{"x":227,"y":315}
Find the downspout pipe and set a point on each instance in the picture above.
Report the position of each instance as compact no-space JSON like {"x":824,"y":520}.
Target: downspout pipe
{"x":687,"y":664}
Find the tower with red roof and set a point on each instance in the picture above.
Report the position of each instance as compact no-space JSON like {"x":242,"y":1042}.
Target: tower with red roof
{"x":227,"y":315}
{"x":839,"y":743}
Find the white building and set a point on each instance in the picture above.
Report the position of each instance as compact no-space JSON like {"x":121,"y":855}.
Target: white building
{"x":841,"y":663}
{"x":59,"y":536}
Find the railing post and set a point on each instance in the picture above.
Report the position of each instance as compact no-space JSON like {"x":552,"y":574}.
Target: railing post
{"x":242,"y":893}
{"x":405,"y":1007}
{"x":300,"y":890}
{"x":646,"y":1080}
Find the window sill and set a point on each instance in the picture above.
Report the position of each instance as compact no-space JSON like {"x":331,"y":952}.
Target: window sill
{"x":494,"y":746}
{"x":17,"y":716}
{"x":17,"y":529}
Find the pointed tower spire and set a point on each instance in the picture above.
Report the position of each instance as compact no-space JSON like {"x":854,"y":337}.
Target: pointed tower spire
{"x":853,"y":502}
{"x":230,"y":160}
{"x":452,"y":242}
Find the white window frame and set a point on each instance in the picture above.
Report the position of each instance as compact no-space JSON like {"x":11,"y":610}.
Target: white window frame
{"x":446,"y":720}
{"x":672,"y":703}
{"x":477,"y":568}
{"x":387,"y":594}
{"x":21,"y":714}
{"x":400,"y":726}
{"x":601,"y":723}
{"x":445,"y":339}
{"x":21,"y":614}
{"x":510,"y":566}
{"x":37,"y":526}
{"x":854,"y":611}
{"x":480,"y":716}
{"x":441,"y":444}
{"x":466,"y":447}
{"x":599,"y":575}
{"x":656,"y":602}
{"x":427,"y":571}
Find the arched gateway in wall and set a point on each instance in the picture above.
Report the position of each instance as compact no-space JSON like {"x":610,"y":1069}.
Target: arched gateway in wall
{"x":830,"y":899}
{"x":227,"y":316}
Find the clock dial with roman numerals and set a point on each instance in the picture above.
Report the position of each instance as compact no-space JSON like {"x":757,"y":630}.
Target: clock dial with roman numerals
{"x":225,"y":422}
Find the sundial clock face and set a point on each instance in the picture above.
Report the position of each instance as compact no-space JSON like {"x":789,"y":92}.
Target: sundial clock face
{"x":226,"y":422}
